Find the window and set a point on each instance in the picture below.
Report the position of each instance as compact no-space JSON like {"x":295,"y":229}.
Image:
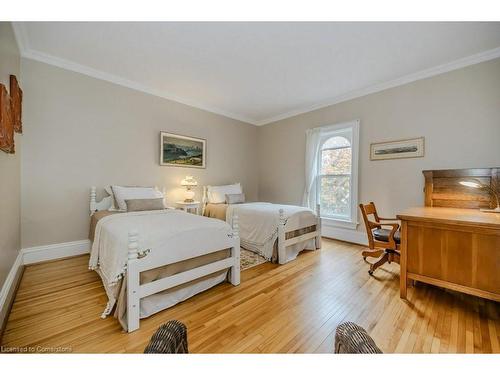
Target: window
{"x":337,"y":173}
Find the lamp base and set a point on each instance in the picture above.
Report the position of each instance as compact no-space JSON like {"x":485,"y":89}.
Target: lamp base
{"x":495,"y":210}
{"x":189,"y":196}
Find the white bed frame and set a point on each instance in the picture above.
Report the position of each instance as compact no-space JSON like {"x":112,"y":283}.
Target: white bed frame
{"x":284,"y":228}
{"x":190,"y":246}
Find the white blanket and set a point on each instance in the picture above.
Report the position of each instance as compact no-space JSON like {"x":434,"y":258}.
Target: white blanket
{"x":258,"y":222}
{"x":156,"y":229}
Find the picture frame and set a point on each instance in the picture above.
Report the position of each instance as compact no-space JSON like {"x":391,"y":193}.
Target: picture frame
{"x":182,"y":151}
{"x":398,"y":149}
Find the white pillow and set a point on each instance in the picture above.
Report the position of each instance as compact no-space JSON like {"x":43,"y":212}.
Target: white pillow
{"x":217,"y":194}
{"x":122,"y":193}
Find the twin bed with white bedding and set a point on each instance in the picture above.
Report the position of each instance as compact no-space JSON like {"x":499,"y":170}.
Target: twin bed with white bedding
{"x":276,"y":232}
{"x":150,"y":260}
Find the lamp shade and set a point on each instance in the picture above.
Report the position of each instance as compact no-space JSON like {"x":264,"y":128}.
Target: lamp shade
{"x":189,"y":181}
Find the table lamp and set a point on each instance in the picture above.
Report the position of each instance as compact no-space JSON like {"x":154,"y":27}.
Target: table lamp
{"x":189,"y":182}
{"x":478,"y":185}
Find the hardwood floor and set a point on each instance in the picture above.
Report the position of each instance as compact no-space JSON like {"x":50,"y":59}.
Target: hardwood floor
{"x":290,"y":308}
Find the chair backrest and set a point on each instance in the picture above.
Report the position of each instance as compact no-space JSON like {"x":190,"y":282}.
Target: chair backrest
{"x":366,"y":211}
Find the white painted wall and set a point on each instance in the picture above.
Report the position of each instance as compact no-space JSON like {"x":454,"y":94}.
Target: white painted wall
{"x":81,"y":131}
{"x":10,"y":164}
{"x":458,"y":113}
{"x":10,"y":184}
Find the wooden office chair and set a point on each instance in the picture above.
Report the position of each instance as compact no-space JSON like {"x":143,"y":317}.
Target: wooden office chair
{"x":384,"y":243}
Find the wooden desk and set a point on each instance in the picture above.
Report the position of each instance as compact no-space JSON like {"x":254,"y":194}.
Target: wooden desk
{"x":453,"y":248}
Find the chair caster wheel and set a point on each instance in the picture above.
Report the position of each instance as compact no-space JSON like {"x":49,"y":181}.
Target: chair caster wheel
{"x":370,"y":272}
{"x":364,"y":258}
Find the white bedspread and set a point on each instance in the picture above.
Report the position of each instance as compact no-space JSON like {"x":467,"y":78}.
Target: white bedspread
{"x":258,"y":222}
{"x":109,"y":252}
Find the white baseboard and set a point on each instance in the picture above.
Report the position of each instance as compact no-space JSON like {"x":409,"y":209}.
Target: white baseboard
{"x":34,"y":255}
{"x":342,"y":234}
{"x":55,"y":251}
{"x":9,"y":281}
{"x":9,"y":286}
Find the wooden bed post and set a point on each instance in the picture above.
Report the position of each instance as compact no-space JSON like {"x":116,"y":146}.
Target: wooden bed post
{"x":133,"y":299}
{"x":235,"y":253}
{"x":281,"y":238}
{"x":318,"y":226}
{"x":92,"y":200}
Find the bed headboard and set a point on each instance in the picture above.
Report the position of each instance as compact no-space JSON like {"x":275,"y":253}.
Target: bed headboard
{"x":204,"y":198}
{"x":442,"y":188}
{"x":104,"y":204}
{"x":107,"y":202}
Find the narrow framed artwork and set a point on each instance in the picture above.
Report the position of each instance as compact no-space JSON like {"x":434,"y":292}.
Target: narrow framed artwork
{"x":182,"y":151}
{"x":6,"y":124}
{"x":400,"y":149}
{"x":16,"y":100}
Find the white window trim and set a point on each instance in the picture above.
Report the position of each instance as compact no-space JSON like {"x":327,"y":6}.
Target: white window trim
{"x":326,"y":133}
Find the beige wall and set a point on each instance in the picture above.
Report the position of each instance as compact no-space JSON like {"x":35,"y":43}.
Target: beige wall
{"x":10,"y":165}
{"x":458,"y":113}
{"x":82,"y":131}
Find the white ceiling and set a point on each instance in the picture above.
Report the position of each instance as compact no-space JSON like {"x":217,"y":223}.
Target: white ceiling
{"x":259,"y":72}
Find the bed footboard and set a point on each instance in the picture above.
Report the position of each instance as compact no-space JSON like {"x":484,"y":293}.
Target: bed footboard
{"x":283,"y":242}
{"x":138,"y":262}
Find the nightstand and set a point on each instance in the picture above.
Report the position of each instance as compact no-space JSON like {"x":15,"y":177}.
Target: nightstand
{"x":192,"y":207}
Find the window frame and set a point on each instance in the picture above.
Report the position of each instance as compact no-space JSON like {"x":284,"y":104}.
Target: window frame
{"x":341,"y":130}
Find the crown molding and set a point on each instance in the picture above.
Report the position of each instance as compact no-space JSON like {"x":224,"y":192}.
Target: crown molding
{"x":94,"y":73}
{"x":27,"y":52}
{"x":444,"y":68}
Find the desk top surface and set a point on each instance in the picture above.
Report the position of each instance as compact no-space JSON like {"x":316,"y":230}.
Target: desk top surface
{"x":451,"y":216}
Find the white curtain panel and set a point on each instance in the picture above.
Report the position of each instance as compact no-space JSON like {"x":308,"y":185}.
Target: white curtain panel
{"x":313,"y":137}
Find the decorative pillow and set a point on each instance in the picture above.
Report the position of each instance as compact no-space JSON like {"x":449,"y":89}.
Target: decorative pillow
{"x":144,"y":204}
{"x":235,"y":198}
{"x":217,"y":194}
{"x":122,"y":193}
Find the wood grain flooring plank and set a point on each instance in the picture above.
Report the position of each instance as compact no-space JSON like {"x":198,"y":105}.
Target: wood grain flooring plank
{"x":293,"y":308}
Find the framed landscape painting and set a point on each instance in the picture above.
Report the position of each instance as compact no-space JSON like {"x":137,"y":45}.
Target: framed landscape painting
{"x":406,"y":148}
{"x":182,"y":151}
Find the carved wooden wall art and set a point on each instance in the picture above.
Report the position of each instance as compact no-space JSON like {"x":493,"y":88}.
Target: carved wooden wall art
{"x":6,"y":124}
{"x":16,"y":99}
